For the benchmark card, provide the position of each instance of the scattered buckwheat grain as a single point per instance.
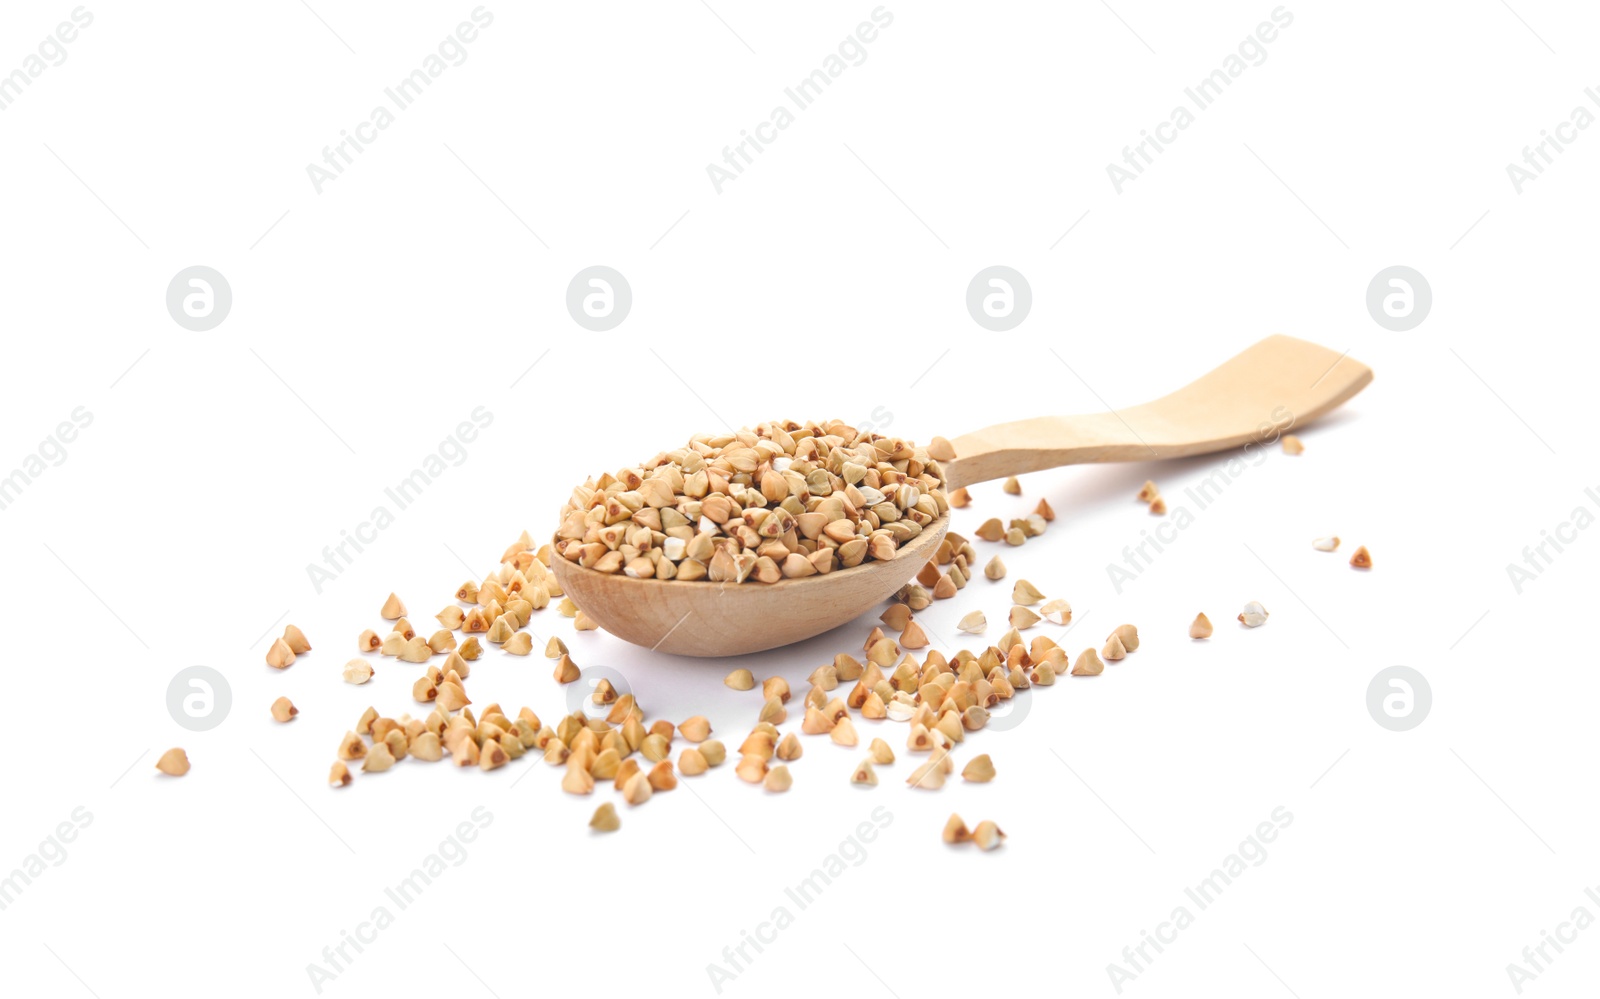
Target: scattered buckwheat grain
(174, 763)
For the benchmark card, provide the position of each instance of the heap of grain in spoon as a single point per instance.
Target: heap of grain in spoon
(784, 500)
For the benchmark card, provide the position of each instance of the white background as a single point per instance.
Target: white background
(370, 319)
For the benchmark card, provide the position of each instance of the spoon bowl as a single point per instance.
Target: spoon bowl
(1250, 400)
(730, 619)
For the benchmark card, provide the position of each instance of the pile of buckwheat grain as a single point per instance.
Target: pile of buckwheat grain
(784, 500)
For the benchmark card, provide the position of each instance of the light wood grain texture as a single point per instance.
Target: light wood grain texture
(729, 619)
(1251, 398)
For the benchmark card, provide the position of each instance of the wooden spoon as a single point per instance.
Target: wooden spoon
(1277, 383)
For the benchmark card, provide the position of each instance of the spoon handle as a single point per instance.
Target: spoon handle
(1254, 397)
